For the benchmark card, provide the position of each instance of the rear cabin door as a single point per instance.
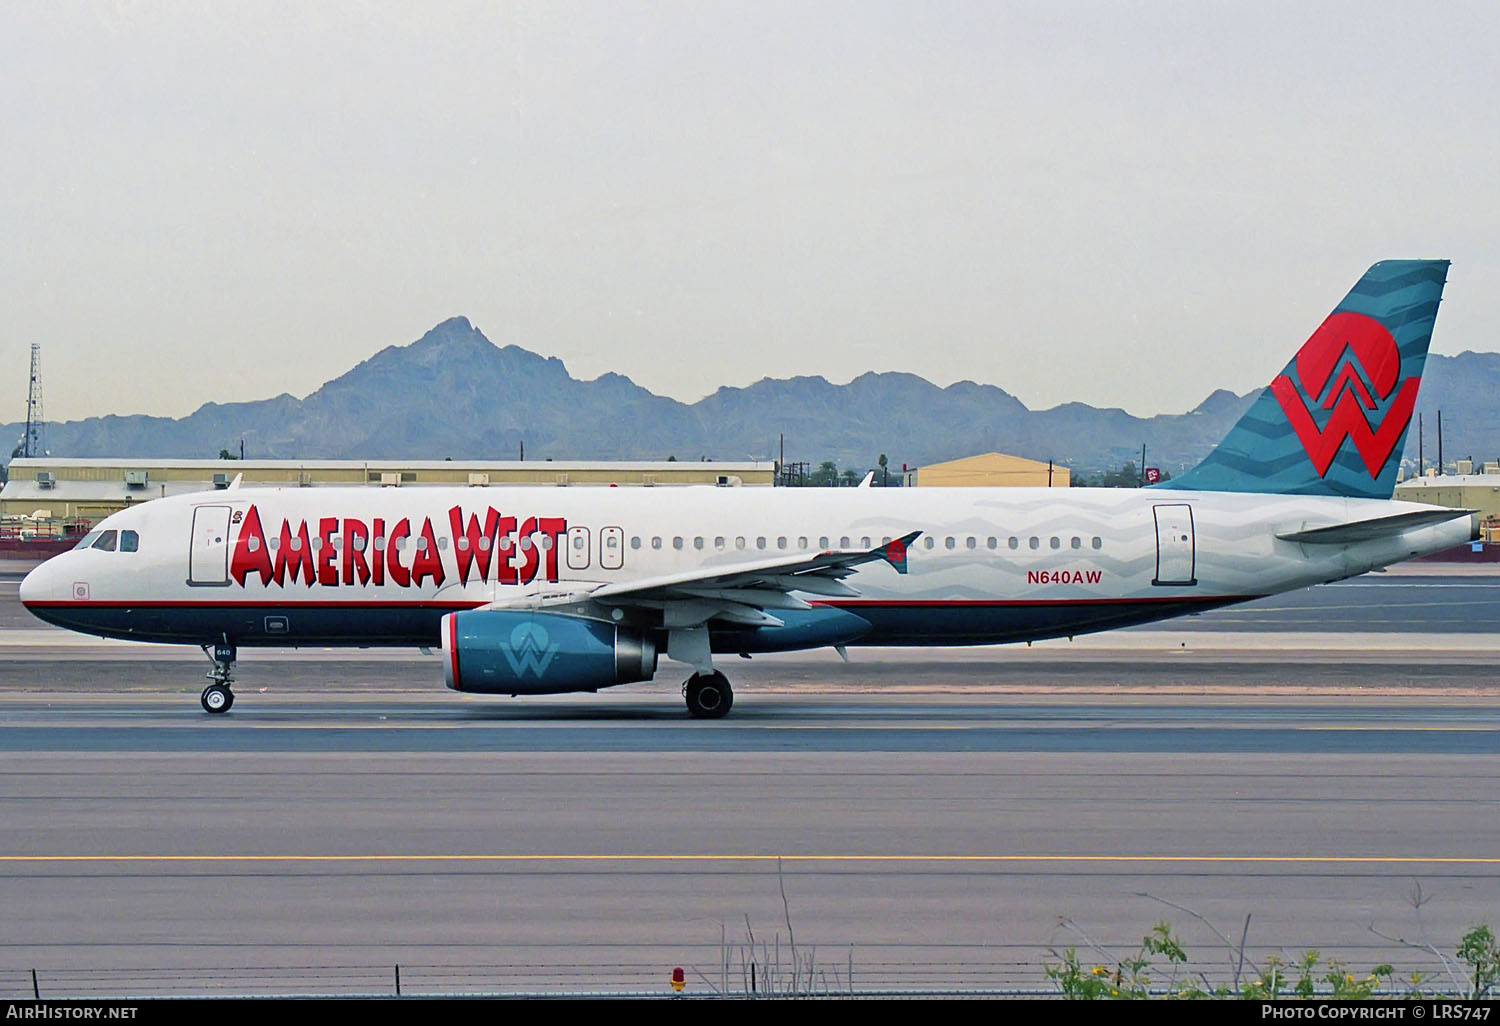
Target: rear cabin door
(208, 559)
(1176, 552)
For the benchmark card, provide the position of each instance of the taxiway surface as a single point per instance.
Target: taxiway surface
(940, 819)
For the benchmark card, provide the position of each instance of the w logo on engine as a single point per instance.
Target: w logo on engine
(530, 650)
(1349, 366)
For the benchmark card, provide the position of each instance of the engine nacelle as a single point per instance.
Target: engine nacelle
(498, 651)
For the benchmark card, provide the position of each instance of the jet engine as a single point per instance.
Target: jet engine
(498, 651)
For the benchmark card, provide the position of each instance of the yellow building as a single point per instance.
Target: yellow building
(92, 489)
(989, 470)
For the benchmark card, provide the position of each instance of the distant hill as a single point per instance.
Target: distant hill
(455, 393)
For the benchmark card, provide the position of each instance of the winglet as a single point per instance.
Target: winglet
(894, 553)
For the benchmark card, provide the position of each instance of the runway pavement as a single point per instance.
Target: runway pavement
(941, 819)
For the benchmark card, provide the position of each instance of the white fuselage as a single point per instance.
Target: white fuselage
(372, 567)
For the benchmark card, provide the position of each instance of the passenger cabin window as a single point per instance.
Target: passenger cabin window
(1056, 542)
(972, 542)
(131, 542)
(864, 543)
(106, 542)
(928, 541)
(1035, 542)
(1098, 543)
(1015, 543)
(949, 543)
(994, 542)
(1078, 543)
(823, 542)
(635, 541)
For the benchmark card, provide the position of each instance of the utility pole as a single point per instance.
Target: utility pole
(1440, 444)
(1421, 448)
(1142, 482)
(31, 443)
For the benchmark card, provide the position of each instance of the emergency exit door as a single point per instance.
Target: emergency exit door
(578, 548)
(1176, 551)
(208, 559)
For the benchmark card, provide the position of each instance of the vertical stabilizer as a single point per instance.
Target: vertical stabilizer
(1334, 421)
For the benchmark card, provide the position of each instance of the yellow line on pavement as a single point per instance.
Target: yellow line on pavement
(1289, 860)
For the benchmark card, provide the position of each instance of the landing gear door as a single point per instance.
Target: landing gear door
(208, 558)
(1176, 551)
(611, 548)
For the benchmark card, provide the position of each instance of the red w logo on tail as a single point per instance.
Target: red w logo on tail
(1372, 350)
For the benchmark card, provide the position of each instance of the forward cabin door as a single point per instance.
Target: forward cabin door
(208, 558)
(1176, 550)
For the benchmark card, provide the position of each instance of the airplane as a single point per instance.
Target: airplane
(531, 591)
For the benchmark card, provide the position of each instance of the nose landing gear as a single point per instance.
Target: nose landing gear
(217, 697)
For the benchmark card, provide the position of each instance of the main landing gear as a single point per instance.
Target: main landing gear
(708, 695)
(217, 697)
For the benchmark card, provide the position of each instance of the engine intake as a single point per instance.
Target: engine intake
(497, 651)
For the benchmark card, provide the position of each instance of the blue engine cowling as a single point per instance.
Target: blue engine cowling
(497, 651)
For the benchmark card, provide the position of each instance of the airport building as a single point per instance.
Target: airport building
(91, 489)
(989, 470)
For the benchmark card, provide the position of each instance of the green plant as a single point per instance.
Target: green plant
(1131, 976)
(1479, 951)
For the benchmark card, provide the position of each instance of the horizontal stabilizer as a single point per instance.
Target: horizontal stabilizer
(1380, 527)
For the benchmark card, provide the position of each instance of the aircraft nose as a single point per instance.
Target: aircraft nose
(38, 585)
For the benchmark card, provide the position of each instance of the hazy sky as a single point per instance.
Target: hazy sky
(1124, 204)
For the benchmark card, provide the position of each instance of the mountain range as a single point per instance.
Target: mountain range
(454, 393)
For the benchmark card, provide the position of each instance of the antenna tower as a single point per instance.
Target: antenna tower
(31, 443)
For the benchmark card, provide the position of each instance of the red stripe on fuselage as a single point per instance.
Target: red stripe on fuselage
(834, 603)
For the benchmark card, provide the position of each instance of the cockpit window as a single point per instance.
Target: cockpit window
(87, 541)
(106, 541)
(129, 541)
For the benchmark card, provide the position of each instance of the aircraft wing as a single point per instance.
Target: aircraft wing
(737, 592)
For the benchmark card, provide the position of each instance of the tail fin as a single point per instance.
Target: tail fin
(1335, 420)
